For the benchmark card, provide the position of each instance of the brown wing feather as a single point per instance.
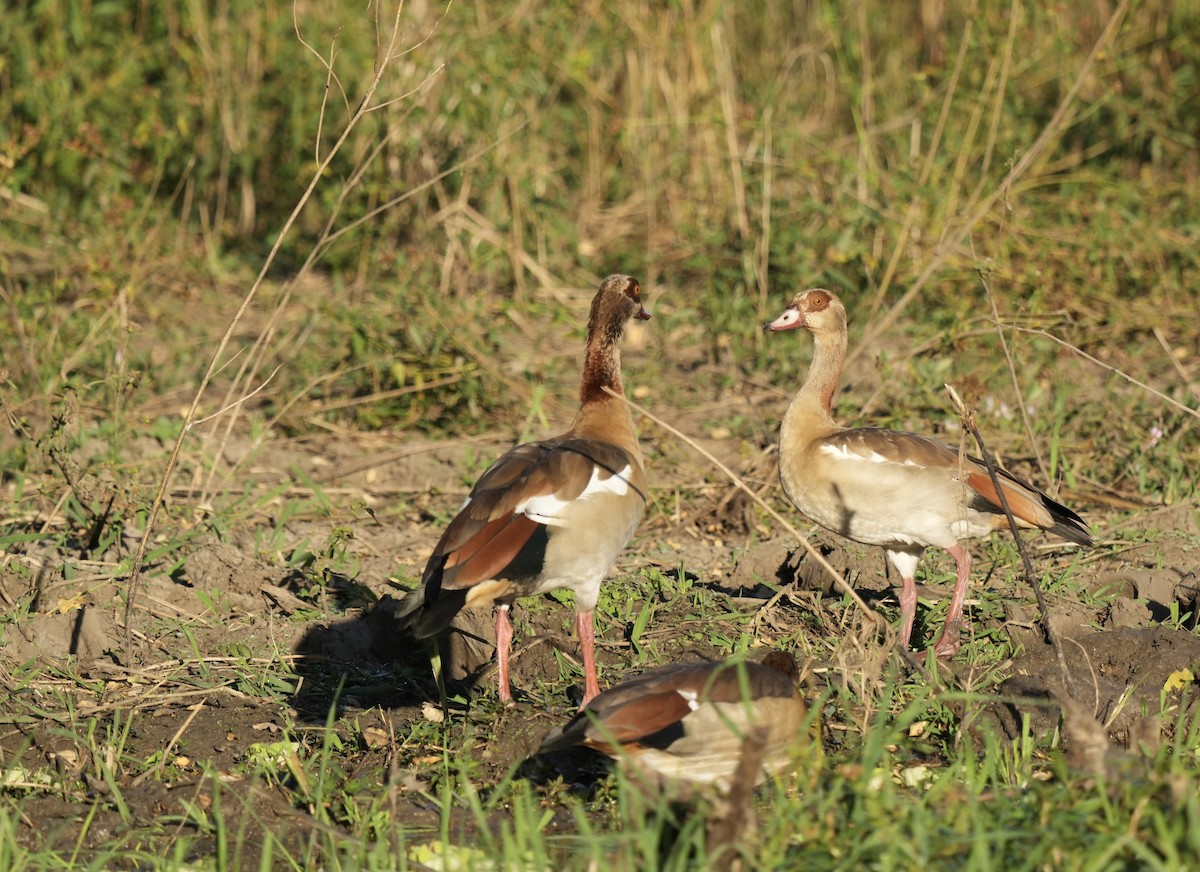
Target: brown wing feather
(637, 718)
(634, 709)
(895, 445)
(737, 682)
(562, 468)
(514, 477)
(642, 707)
(606, 457)
(511, 465)
(488, 516)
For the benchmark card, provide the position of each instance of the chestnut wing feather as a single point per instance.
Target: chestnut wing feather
(632, 710)
(1028, 504)
(662, 698)
(637, 718)
(894, 446)
(490, 531)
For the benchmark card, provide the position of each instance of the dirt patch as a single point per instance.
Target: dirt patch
(320, 609)
(1116, 675)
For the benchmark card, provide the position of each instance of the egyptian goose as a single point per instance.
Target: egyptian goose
(687, 722)
(884, 487)
(548, 515)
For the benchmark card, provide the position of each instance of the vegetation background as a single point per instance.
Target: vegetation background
(280, 280)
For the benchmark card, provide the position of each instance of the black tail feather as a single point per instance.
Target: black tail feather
(1067, 524)
(429, 609)
(569, 735)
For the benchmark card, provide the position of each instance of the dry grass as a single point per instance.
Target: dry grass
(278, 285)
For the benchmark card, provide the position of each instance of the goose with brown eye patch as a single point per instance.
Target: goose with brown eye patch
(897, 490)
(547, 515)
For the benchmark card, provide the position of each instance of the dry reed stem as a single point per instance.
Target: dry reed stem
(1058, 122)
(727, 89)
(763, 264)
(214, 363)
(1015, 21)
(939, 129)
(324, 242)
(256, 359)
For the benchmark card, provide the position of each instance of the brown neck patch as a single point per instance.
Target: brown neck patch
(602, 359)
(601, 369)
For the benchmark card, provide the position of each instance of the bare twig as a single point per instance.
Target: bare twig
(1012, 371)
(1100, 363)
(238, 401)
(967, 416)
(166, 752)
(1166, 346)
(330, 74)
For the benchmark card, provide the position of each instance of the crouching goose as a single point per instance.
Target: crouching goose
(884, 487)
(688, 722)
(548, 515)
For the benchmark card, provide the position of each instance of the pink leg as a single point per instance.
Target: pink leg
(905, 563)
(504, 636)
(908, 610)
(948, 643)
(586, 629)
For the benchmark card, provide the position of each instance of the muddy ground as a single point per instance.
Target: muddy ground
(240, 596)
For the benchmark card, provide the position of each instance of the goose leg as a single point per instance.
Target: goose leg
(904, 561)
(586, 629)
(504, 636)
(948, 643)
(908, 610)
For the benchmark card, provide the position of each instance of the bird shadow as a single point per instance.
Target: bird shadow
(366, 659)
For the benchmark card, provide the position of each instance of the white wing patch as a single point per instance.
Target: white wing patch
(845, 452)
(548, 509)
(691, 697)
(615, 483)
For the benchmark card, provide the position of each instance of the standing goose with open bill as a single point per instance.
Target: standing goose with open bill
(898, 490)
(548, 515)
(688, 722)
